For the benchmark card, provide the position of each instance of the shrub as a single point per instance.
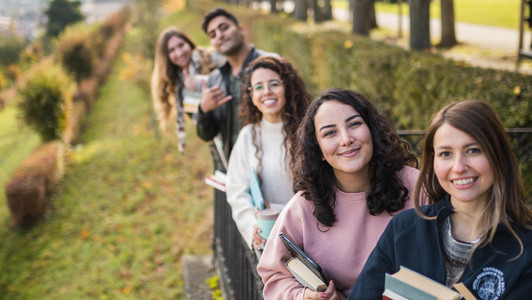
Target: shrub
(28, 192)
(107, 29)
(12, 72)
(10, 48)
(30, 55)
(408, 86)
(75, 51)
(3, 81)
(46, 96)
(114, 23)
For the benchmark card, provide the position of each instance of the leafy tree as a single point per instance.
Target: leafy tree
(62, 13)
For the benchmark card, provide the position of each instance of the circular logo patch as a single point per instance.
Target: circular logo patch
(489, 284)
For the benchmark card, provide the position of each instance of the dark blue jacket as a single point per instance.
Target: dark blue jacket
(413, 242)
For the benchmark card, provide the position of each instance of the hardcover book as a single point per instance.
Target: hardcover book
(307, 272)
(254, 189)
(305, 276)
(411, 285)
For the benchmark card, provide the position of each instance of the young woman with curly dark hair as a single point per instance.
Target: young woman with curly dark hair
(274, 99)
(352, 174)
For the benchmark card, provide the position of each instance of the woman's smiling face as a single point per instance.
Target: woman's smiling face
(344, 139)
(179, 51)
(461, 166)
(267, 94)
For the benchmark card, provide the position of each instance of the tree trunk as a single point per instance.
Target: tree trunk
(419, 24)
(318, 14)
(362, 16)
(448, 35)
(351, 10)
(273, 6)
(300, 11)
(372, 17)
(327, 10)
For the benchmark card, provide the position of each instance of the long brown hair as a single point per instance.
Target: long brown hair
(166, 76)
(506, 203)
(390, 154)
(296, 95)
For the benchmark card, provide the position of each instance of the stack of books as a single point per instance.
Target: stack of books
(217, 180)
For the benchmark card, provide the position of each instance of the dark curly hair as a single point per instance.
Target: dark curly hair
(390, 154)
(296, 95)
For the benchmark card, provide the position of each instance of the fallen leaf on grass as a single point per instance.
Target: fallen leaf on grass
(85, 234)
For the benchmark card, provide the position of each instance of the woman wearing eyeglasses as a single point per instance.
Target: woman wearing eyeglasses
(274, 99)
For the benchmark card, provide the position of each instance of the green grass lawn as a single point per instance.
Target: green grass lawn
(503, 13)
(130, 206)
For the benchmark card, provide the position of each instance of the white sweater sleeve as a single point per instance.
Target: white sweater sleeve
(237, 186)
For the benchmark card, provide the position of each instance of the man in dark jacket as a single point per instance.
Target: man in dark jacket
(221, 94)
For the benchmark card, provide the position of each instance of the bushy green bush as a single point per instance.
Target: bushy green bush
(76, 52)
(46, 96)
(107, 29)
(10, 48)
(30, 55)
(114, 23)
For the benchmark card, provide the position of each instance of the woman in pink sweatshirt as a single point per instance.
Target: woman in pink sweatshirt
(352, 174)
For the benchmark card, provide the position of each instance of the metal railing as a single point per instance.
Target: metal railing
(236, 263)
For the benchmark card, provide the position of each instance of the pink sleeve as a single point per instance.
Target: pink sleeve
(410, 176)
(279, 283)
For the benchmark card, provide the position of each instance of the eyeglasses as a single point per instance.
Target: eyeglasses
(273, 85)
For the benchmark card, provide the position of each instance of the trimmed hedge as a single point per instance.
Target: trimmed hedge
(28, 193)
(76, 51)
(52, 108)
(46, 96)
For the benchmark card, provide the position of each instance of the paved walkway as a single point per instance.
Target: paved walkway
(486, 37)
(502, 42)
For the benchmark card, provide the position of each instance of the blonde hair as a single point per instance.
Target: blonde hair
(166, 76)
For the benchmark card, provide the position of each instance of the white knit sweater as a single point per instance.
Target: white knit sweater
(276, 178)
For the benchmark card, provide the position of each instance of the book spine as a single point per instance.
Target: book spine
(406, 290)
(215, 184)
